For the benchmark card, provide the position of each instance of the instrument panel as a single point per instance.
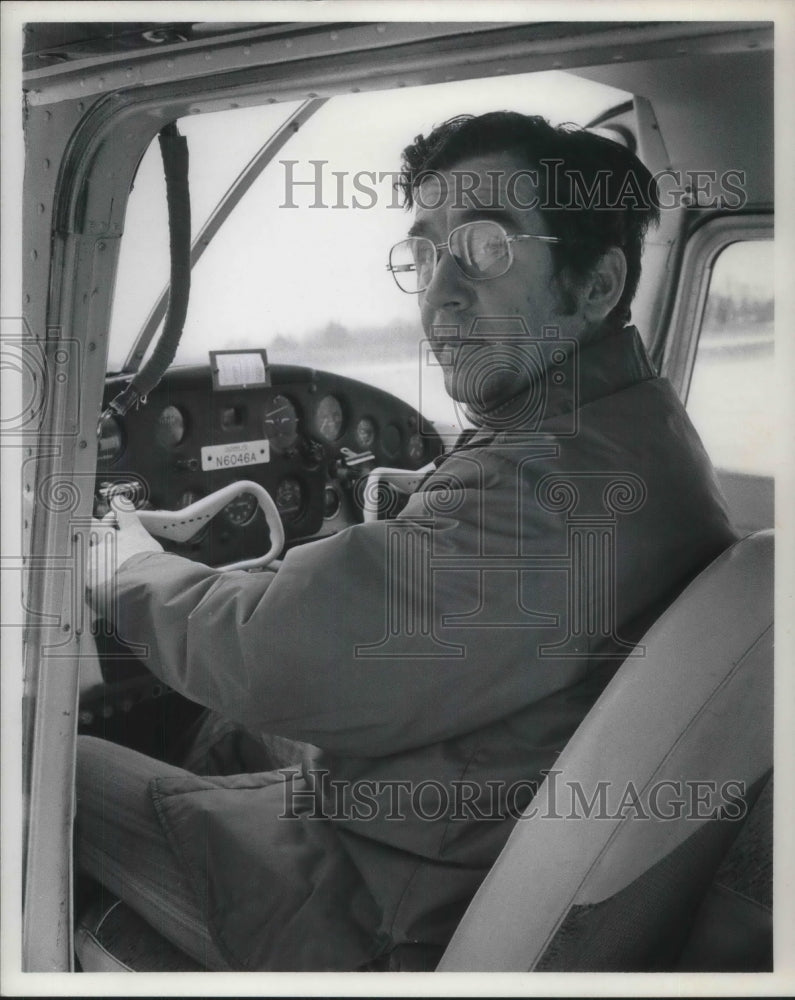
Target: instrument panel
(308, 437)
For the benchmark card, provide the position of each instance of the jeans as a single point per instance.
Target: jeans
(120, 843)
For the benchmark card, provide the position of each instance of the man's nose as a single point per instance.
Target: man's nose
(448, 288)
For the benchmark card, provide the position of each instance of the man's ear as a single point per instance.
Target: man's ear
(604, 286)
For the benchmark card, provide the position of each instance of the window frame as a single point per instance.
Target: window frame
(701, 252)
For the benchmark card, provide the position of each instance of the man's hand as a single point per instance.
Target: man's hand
(114, 540)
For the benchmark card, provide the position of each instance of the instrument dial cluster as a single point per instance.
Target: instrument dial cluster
(306, 437)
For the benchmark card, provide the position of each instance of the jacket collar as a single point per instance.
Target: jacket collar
(614, 361)
(571, 376)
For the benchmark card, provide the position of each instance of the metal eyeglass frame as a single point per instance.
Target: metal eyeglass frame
(509, 238)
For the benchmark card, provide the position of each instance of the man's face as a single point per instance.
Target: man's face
(455, 307)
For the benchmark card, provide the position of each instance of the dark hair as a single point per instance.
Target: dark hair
(593, 193)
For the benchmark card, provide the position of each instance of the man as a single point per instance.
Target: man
(432, 666)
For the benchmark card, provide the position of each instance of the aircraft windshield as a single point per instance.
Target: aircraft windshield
(299, 267)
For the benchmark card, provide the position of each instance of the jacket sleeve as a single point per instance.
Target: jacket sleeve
(350, 646)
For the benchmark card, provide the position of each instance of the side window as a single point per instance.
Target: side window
(731, 398)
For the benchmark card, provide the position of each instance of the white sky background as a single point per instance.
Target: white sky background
(277, 270)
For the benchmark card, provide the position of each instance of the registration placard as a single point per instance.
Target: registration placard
(235, 456)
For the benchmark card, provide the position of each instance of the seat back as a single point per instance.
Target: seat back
(616, 855)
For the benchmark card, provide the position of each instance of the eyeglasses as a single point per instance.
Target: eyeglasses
(481, 250)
